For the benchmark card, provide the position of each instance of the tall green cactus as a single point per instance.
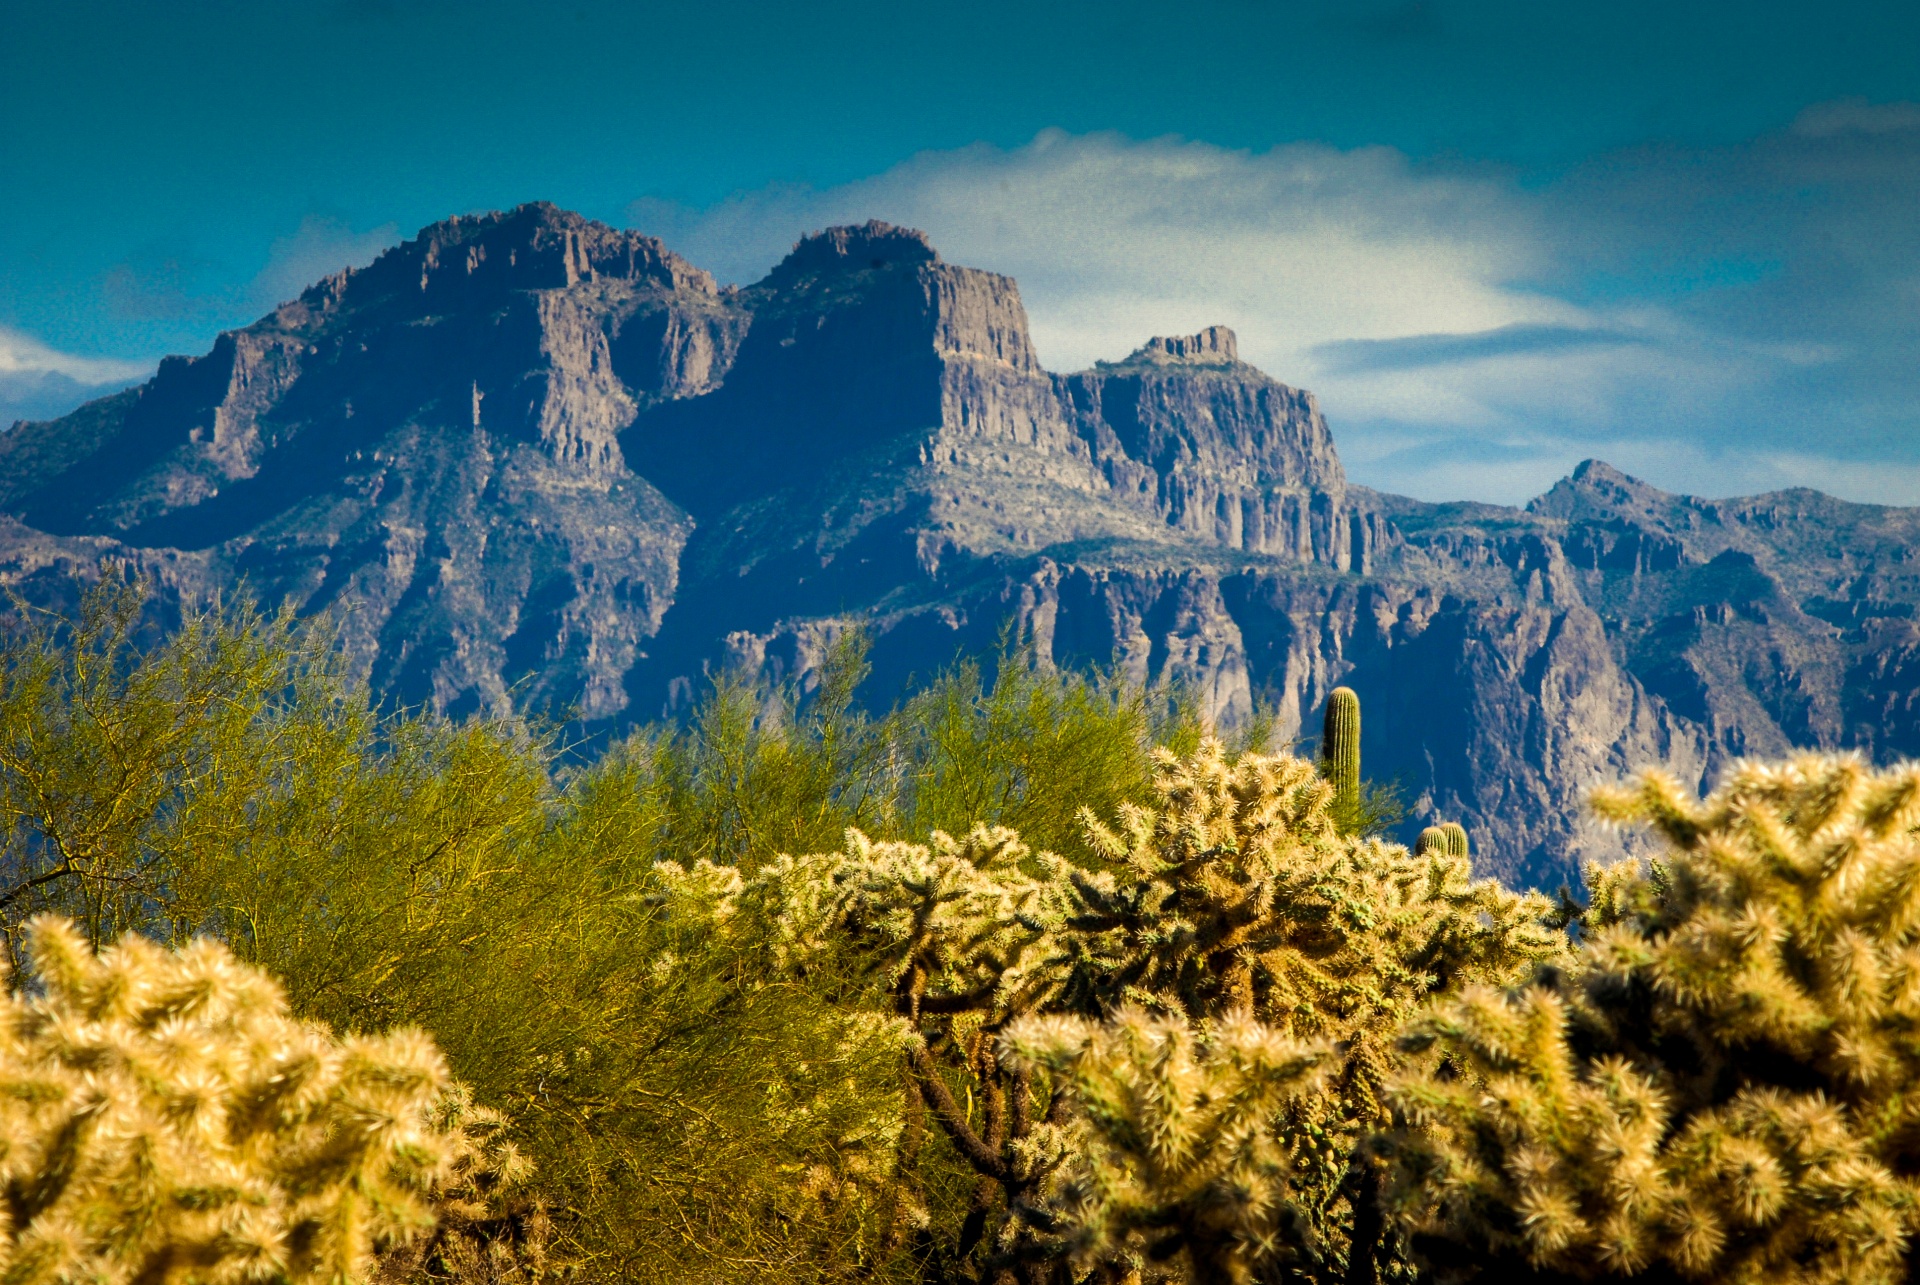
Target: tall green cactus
(1432, 842)
(1340, 749)
(1456, 838)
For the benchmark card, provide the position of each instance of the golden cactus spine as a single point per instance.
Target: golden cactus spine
(1340, 748)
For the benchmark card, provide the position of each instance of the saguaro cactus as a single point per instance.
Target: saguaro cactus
(1340, 749)
(1456, 835)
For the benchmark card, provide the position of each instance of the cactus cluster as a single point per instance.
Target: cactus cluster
(1447, 839)
(1231, 919)
(164, 1118)
(1725, 1085)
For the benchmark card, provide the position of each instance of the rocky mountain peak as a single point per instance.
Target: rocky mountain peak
(1596, 489)
(538, 246)
(1214, 346)
(859, 247)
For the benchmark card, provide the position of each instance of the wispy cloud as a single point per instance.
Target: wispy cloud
(319, 247)
(38, 381)
(174, 284)
(1112, 239)
(1724, 319)
(24, 356)
(1413, 352)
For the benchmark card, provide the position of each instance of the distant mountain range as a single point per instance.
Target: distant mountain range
(540, 459)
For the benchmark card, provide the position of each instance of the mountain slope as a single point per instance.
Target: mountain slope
(537, 459)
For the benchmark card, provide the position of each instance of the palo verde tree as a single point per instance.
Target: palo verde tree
(1724, 1085)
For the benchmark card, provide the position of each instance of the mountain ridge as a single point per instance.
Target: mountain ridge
(547, 460)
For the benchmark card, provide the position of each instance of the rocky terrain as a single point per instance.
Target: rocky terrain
(534, 459)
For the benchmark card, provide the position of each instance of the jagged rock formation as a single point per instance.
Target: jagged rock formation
(536, 459)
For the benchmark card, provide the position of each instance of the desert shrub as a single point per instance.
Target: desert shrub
(1722, 1085)
(757, 772)
(165, 1118)
(109, 740)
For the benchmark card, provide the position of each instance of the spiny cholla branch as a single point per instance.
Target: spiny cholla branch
(1177, 1148)
(1726, 1084)
(164, 1117)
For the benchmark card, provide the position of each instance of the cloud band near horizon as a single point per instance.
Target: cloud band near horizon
(1717, 320)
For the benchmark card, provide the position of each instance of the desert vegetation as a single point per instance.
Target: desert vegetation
(1030, 978)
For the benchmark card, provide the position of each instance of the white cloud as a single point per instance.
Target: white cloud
(1469, 336)
(22, 356)
(38, 381)
(1113, 241)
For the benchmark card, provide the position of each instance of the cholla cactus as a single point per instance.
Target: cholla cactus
(1726, 1085)
(1179, 1154)
(1234, 906)
(489, 1230)
(1238, 897)
(1201, 885)
(1238, 893)
(957, 924)
(963, 935)
(164, 1118)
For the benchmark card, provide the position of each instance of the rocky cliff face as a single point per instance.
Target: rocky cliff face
(536, 459)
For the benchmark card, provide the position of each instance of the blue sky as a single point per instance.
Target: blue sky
(1495, 238)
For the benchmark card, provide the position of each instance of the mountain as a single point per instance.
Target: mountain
(533, 458)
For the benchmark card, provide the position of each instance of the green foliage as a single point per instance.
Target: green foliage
(759, 773)
(696, 1109)
(106, 746)
(1723, 1085)
(163, 1117)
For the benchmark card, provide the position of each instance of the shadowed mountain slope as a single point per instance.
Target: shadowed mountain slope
(537, 459)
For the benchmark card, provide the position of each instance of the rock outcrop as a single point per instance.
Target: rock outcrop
(535, 459)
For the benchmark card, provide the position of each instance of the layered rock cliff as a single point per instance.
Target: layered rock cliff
(535, 459)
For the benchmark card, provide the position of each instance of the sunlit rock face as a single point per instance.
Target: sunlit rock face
(533, 460)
